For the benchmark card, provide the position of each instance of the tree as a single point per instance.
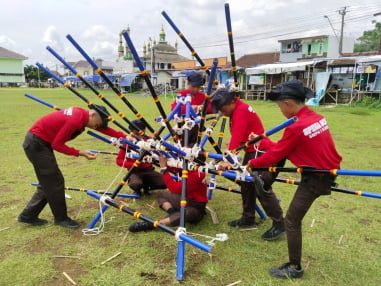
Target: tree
(31, 73)
(370, 40)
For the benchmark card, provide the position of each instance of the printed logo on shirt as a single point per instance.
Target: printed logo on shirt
(68, 111)
(316, 128)
(251, 109)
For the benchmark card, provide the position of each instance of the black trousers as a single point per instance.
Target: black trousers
(52, 183)
(310, 188)
(194, 211)
(268, 200)
(147, 179)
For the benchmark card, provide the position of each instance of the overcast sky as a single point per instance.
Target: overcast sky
(28, 26)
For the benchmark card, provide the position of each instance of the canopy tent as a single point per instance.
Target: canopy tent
(279, 68)
(127, 79)
(71, 78)
(97, 79)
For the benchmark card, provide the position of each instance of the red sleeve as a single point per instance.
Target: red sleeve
(238, 132)
(111, 132)
(64, 135)
(172, 185)
(209, 110)
(266, 144)
(173, 104)
(193, 182)
(120, 159)
(278, 152)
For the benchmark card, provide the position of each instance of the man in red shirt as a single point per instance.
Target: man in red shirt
(170, 201)
(195, 81)
(306, 143)
(144, 177)
(243, 122)
(49, 133)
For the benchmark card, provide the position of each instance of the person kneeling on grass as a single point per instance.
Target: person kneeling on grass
(170, 201)
(307, 142)
(49, 133)
(144, 176)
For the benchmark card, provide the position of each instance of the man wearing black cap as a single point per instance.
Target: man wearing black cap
(144, 176)
(195, 81)
(306, 143)
(243, 122)
(49, 133)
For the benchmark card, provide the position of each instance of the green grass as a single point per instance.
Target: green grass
(149, 258)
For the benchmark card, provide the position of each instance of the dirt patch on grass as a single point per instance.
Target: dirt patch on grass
(71, 266)
(5, 189)
(38, 245)
(365, 221)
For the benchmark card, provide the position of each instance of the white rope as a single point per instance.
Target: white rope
(218, 237)
(102, 202)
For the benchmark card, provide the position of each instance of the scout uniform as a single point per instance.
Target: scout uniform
(49, 133)
(144, 176)
(244, 121)
(308, 142)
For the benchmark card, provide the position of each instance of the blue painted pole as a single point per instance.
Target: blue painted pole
(42, 101)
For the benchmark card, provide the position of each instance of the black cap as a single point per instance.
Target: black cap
(293, 89)
(103, 113)
(222, 97)
(137, 125)
(196, 79)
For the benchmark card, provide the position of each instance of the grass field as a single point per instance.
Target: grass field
(342, 248)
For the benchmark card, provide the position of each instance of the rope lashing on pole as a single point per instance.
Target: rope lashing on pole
(137, 215)
(291, 181)
(95, 91)
(109, 82)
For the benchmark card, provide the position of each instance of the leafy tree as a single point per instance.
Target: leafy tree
(370, 40)
(31, 73)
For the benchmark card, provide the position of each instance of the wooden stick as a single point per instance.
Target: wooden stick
(313, 223)
(69, 278)
(111, 258)
(246, 229)
(5, 228)
(341, 238)
(213, 215)
(235, 283)
(66, 256)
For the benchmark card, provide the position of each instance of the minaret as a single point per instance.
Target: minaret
(144, 50)
(120, 47)
(127, 51)
(162, 35)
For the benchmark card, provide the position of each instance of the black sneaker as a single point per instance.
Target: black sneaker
(140, 226)
(31, 220)
(275, 232)
(287, 270)
(243, 223)
(67, 223)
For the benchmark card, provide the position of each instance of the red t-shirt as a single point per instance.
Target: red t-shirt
(196, 189)
(61, 126)
(197, 99)
(307, 142)
(64, 125)
(244, 121)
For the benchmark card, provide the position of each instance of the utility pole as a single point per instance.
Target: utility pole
(342, 12)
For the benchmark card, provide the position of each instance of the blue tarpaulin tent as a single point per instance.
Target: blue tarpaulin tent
(71, 78)
(127, 79)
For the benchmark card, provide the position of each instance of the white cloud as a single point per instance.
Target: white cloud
(7, 42)
(53, 38)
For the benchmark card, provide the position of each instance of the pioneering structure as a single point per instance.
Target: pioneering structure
(180, 155)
